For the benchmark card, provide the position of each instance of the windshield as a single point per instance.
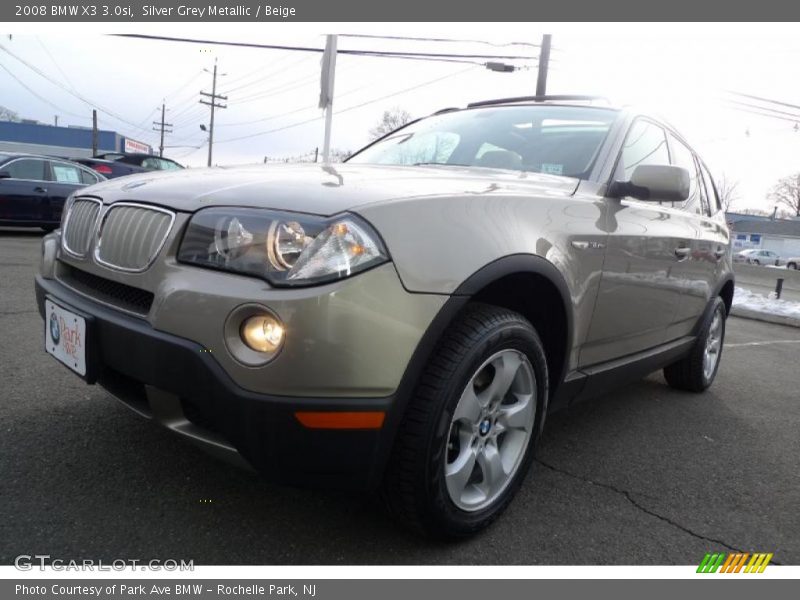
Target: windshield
(558, 140)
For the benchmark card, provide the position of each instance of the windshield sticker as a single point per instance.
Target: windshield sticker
(552, 169)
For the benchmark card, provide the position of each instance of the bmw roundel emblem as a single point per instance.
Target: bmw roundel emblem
(484, 427)
(55, 328)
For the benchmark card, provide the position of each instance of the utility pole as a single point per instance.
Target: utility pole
(161, 126)
(56, 116)
(544, 61)
(94, 132)
(213, 104)
(327, 78)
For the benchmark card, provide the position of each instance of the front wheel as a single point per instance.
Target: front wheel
(792, 265)
(468, 435)
(696, 371)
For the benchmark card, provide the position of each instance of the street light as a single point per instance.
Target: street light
(500, 67)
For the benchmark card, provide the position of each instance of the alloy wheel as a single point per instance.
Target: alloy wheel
(490, 430)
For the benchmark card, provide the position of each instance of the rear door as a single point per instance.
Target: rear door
(695, 273)
(23, 195)
(639, 295)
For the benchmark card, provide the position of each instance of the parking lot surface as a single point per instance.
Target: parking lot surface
(645, 475)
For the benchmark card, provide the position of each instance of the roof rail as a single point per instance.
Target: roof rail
(546, 98)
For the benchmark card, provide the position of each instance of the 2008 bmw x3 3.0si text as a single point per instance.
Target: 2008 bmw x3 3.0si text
(404, 321)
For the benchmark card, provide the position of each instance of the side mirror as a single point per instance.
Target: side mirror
(655, 183)
(5, 175)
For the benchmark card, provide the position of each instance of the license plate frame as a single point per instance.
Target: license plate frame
(67, 337)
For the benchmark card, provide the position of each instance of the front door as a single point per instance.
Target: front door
(639, 295)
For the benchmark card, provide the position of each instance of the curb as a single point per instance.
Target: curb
(747, 313)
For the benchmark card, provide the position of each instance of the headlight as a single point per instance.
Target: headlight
(283, 248)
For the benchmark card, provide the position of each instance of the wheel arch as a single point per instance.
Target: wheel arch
(488, 284)
(725, 291)
(535, 288)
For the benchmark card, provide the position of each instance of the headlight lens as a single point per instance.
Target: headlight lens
(283, 248)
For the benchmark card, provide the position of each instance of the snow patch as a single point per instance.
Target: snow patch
(744, 298)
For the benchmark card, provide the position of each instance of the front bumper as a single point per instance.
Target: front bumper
(180, 384)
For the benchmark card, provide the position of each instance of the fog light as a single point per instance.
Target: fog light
(262, 333)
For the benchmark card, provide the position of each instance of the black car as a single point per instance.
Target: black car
(33, 188)
(118, 164)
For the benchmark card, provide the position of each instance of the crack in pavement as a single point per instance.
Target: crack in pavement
(644, 509)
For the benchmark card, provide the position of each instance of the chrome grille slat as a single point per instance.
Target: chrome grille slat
(131, 235)
(79, 225)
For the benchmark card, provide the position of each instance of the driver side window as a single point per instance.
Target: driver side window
(645, 144)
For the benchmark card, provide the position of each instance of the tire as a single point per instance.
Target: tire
(692, 373)
(756, 263)
(792, 265)
(422, 485)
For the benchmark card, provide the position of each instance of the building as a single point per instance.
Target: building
(779, 235)
(70, 142)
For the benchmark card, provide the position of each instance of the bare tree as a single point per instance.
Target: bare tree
(728, 192)
(391, 120)
(6, 114)
(787, 193)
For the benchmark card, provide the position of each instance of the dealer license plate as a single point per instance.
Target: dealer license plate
(65, 336)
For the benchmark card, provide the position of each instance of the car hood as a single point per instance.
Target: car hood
(320, 189)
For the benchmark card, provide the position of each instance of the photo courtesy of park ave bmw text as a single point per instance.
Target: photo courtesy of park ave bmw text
(337, 300)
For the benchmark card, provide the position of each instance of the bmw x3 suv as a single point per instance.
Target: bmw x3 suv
(402, 322)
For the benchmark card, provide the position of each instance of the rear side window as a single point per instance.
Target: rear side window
(88, 177)
(683, 157)
(645, 144)
(711, 189)
(26, 168)
(64, 173)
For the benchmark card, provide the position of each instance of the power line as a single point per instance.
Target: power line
(45, 100)
(53, 60)
(291, 112)
(384, 53)
(767, 115)
(765, 108)
(765, 100)
(80, 97)
(264, 76)
(349, 108)
(427, 39)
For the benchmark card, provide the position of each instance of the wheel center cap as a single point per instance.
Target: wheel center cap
(485, 427)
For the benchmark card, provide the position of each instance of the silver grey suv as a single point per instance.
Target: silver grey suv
(404, 321)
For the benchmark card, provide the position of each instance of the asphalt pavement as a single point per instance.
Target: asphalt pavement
(645, 475)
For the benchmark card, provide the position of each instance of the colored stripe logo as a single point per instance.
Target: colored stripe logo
(734, 562)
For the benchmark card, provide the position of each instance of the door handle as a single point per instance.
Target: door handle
(682, 252)
(41, 190)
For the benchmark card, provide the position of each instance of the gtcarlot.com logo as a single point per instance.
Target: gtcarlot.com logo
(28, 562)
(734, 562)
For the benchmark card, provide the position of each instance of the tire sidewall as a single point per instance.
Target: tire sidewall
(452, 520)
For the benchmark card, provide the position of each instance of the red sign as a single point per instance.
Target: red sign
(134, 146)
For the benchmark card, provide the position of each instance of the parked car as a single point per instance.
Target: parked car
(117, 164)
(33, 188)
(758, 256)
(793, 263)
(406, 320)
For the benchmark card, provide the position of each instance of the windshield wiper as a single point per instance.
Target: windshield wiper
(438, 164)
